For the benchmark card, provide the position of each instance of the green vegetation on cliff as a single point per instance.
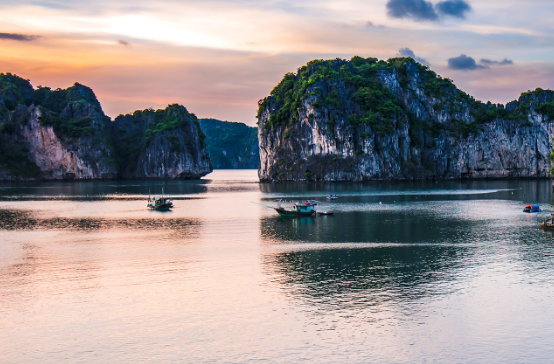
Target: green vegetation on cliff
(231, 145)
(173, 117)
(96, 147)
(13, 158)
(367, 118)
(14, 91)
(372, 103)
(174, 125)
(64, 109)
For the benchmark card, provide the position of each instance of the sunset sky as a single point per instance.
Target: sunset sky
(218, 58)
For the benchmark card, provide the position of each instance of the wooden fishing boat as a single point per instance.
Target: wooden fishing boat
(159, 203)
(298, 209)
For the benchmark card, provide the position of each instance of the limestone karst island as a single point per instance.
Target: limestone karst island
(63, 134)
(333, 120)
(277, 181)
(369, 119)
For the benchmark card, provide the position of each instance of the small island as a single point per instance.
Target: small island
(368, 119)
(57, 134)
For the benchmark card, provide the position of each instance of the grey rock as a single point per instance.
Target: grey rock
(176, 152)
(315, 148)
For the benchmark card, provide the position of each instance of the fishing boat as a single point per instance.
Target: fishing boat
(298, 209)
(332, 197)
(159, 203)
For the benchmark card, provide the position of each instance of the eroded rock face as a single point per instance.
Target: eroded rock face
(325, 145)
(161, 144)
(66, 158)
(50, 134)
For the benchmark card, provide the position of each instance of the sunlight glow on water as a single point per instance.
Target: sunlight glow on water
(403, 272)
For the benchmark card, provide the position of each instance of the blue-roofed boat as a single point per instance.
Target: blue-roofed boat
(159, 203)
(532, 208)
(298, 209)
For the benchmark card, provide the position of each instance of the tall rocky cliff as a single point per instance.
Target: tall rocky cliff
(231, 145)
(365, 119)
(52, 134)
(161, 144)
(64, 134)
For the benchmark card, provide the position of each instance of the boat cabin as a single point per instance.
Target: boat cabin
(160, 203)
(307, 207)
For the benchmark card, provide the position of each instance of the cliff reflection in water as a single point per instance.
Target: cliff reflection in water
(528, 191)
(99, 189)
(26, 220)
(412, 251)
(360, 278)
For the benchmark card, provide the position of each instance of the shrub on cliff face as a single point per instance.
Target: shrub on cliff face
(16, 91)
(69, 128)
(379, 106)
(173, 117)
(57, 100)
(547, 109)
(366, 100)
(133, 134)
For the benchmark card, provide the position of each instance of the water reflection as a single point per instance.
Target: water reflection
(427, 222)
(374, 259)
(362, 278)
(423, 276)
(528, 191)
(27, 220)
(100, 188)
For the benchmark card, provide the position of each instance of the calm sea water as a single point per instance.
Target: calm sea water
(447, 272)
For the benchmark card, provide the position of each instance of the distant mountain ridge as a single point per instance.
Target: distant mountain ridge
(231, 145)
(64, 134)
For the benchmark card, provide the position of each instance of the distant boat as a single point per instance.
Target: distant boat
(332, 197)
(325, 213)
(298, 209)
(532, 208)
(159, 203)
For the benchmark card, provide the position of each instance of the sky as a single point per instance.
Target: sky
(218, 58)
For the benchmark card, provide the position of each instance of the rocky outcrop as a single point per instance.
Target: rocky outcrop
(396, 120)
(161, 144)
(64, 134)
(87, 157)
(231, 145)
(60, 134)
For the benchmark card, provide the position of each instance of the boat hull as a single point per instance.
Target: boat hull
(163, 207)
(291, 213)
